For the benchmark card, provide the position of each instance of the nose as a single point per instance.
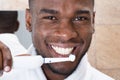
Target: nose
(66, 31)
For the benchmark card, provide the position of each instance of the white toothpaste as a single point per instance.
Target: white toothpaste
(32, 62)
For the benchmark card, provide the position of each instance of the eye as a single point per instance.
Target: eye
(80, 18)
(50, 17)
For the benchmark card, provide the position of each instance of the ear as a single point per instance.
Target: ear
(28, 20)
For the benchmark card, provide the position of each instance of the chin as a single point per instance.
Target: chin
(62, 68)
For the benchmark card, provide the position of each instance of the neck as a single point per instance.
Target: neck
(50, 75)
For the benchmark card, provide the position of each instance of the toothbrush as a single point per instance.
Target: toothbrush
(31, 62)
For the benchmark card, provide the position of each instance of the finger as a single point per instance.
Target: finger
(1, 64)
(1, 61)
(7, 57)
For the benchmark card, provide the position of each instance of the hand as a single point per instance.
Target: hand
(5, 59)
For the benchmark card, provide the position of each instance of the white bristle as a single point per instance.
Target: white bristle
(72, 57)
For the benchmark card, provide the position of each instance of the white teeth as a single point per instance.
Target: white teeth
(63, 51)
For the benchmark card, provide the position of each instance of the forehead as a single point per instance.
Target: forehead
(63, 4)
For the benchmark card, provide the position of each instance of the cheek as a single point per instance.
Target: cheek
(86, 36)
(87, 42)
(39, 31)
(38, 37)
(87, 31)
(87, 39)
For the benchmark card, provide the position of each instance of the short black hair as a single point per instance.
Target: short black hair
(30, 2)
(8, 20)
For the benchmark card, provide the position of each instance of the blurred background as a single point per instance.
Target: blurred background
(23, 35)
(104, 53)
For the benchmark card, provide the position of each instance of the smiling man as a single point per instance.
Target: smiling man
(60, 28)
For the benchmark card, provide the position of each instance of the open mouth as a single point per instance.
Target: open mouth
(63, 50)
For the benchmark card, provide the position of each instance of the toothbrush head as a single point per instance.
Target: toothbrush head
(72, 57)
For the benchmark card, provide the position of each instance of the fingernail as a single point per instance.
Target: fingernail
(7, 68)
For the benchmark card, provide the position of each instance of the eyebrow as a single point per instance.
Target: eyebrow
(82, 12)
(50, 11)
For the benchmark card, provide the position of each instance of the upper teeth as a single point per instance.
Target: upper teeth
(63, 51)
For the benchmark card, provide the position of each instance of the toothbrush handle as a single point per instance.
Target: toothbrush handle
(27, 62)
(54, 60)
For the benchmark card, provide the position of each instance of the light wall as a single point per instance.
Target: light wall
(104, 53)
(13, 4)
(23, 34)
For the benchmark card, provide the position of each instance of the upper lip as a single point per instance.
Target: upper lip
(64, 45)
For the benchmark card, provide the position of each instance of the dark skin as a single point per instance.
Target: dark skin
(6, 58)
(64, 24)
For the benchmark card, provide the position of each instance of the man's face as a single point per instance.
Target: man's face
(60, 28)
